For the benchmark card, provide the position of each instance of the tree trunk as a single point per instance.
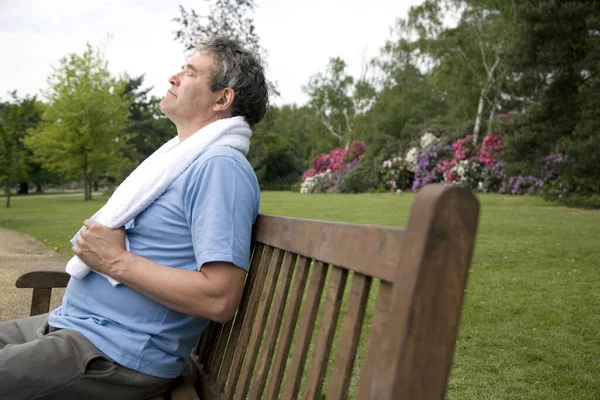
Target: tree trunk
(95, 185)
(7, 192)
(86, 180)
(491, 118)
(479, 116)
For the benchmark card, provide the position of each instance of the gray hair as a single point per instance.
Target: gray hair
(241, 70)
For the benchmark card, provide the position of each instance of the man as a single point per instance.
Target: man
(189, 253)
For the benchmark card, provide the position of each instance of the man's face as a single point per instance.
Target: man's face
(189, 98)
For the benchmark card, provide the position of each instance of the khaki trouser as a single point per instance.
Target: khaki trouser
(40, 362)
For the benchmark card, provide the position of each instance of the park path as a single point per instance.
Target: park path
(20, 253)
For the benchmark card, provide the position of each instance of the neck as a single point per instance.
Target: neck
(187, 129)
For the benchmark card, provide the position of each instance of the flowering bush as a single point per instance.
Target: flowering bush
(522, 184)
(336, 159)
(492, 178)
(318, 183)
(461, 162)
(426, 170)
(490, 147)
(551, 166)
(428, 139)
(328, 170)
(396, 175)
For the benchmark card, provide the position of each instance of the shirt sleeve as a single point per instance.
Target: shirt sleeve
(221, 205)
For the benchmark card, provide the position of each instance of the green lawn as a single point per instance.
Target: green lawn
(531, 322)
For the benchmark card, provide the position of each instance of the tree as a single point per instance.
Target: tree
(557, 55)
(225, 17)
(337, 100)
(407, 101)
(148, 128)
(232, 18)
(469, 57)
(82, 129)
(16, 117)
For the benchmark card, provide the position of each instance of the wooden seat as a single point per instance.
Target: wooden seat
(316, 290)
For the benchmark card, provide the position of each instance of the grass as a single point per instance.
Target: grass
(531, 318)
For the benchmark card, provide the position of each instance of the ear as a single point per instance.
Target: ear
(224, 100)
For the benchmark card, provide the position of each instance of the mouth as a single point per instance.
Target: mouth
(168, 91)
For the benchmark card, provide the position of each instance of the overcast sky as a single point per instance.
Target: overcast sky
(299, 36)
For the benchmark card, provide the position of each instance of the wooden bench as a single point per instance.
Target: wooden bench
(315, 289)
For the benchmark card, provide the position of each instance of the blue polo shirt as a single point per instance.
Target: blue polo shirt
(205, 215)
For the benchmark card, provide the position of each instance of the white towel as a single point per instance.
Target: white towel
(153, 176)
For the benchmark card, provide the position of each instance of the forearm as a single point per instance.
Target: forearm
(189, 292)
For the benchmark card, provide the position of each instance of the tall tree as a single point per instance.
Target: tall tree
(148, 128)
(225, 17)
(407, 101)
(469, 59)
(231, 18)
(16, 117)
(337, 99)
(82, 128)
(557, 55)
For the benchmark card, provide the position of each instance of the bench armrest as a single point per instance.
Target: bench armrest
(42, 283)
(43, 279)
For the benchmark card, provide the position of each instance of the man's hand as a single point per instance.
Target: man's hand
(99, 246)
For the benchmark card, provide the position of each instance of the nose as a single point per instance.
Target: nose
(174, 80)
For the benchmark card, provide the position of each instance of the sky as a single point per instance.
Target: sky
(299, 36)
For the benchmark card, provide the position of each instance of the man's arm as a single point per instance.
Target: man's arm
(213, 293)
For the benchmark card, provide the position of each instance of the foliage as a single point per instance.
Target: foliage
(231, 18)
(225, 17)
(559, 66)
(337, 99)
(83, 126)
(147, 127)
(16, 117)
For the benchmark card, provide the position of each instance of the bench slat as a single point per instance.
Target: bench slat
(207, 340)
(275, 316)
(354, 247)
(307, 324)
(381, 313)
(238, 321)
(246, 318)
(320, 357)
(351, 329)
(212, 352)
(259, 322)
(218, 357)
(226, 339)
(287, 331)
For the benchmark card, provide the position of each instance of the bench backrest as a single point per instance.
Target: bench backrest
(317, 291)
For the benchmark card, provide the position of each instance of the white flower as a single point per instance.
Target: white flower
(308, 185)
(461, 168)
(428, 139)
(411, 159)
